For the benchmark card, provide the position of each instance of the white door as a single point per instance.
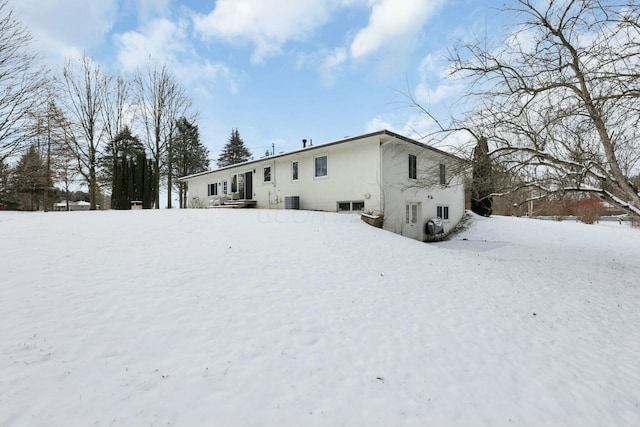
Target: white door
(412, 227)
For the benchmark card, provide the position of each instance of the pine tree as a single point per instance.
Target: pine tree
(482, 186)
(118, 164)
(234, 151)
(6, 198)
(30, 179)
(189, 156)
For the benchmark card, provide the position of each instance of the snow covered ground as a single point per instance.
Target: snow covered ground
(283, 318)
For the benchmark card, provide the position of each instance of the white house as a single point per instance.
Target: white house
(382, 173)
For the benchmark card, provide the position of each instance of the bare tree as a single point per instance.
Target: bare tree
(117, 111)
(52, 137)
(161, 101)
(22, 84)
(85, 90)
(118, 114)
(559, 100)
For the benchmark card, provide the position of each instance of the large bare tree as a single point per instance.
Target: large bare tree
(23, 84)
(559, 98)
(117, 111)
(86, 87)
(52, 138)
(161, 101)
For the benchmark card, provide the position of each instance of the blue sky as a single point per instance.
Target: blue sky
(277, 70)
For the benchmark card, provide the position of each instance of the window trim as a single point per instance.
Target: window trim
(315, 166)
(264, 174)
(350, 203)
(413, 168)
(443, 209)
(212, 189)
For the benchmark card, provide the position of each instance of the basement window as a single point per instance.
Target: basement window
(350, 206)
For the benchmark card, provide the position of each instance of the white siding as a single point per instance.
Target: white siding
(353, 174)
(373, 169)
(399, 190)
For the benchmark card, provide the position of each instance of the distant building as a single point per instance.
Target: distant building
(73, 206)
(383, 174)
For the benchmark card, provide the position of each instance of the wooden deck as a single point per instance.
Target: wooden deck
(237, 204)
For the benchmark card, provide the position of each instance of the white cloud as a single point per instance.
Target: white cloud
(435, 85)
(393, 23)
(65, 27)
(379, 123)
(332, 65)
(167, 42)
(267, 24)
(160, 39)
(151, 9)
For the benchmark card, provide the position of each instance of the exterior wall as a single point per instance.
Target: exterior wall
(425, 192)
(353, 174)
(372, 169)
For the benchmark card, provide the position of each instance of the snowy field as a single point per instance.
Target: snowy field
(294, 318)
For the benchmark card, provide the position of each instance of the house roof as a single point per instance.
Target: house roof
(382, 133)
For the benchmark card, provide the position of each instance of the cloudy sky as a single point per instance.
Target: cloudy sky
(277, 70)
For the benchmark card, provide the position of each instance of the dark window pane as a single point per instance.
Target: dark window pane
(321, 166)
(413, 171)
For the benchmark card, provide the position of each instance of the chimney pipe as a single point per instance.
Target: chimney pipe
(304, 143)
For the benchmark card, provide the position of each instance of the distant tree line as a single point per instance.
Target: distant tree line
(117, 134)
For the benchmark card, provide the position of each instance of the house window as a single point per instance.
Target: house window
(321, 166)
(357, 206)
(344, 206)
(443, 212)
(267, 174)
(354, 205)
(224, 187)
(294, 170)
(413, 170)
(443, 175)
(212, 189)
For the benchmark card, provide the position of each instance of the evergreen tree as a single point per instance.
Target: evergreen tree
(189, 156)
(482, 186)
(125, 161)
(234, 151)
(124, 144)
(133, 179)
(6, 198)
(30, 179)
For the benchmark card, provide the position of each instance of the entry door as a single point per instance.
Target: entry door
(412, 227)
(241, 186)
(248, 185)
